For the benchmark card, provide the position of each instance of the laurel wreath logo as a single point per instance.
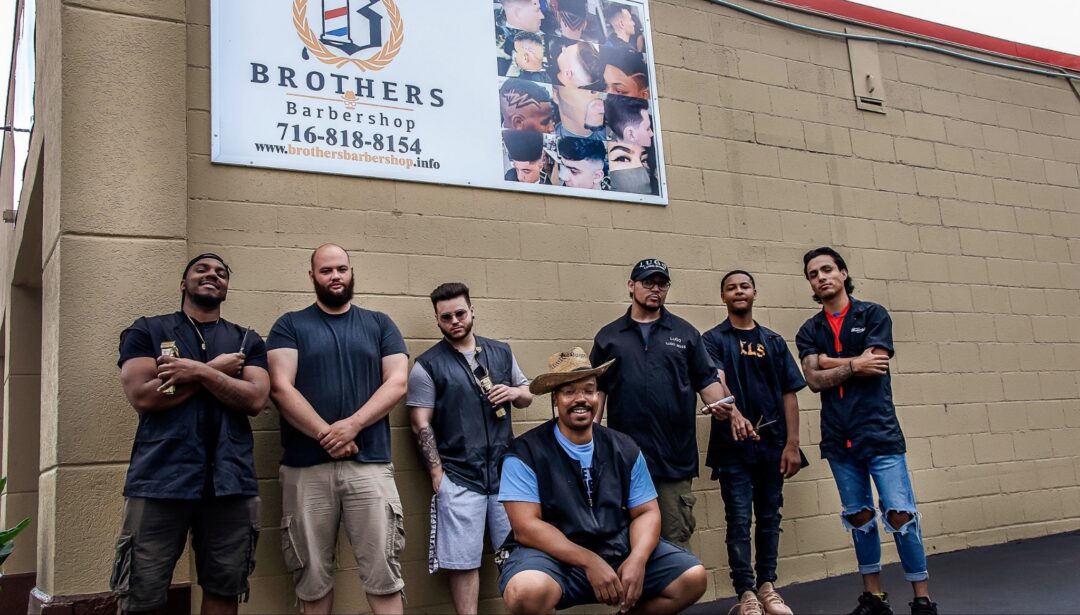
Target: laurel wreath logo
(376, 62)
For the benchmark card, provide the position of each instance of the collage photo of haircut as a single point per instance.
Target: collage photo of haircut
(574, 95)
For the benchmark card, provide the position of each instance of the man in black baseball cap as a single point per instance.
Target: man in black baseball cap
(652, 391)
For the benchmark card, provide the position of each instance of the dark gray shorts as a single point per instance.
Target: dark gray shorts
(224, 532)
(666, 563)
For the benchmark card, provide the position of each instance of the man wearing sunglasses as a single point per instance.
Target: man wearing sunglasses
(651, 392)
(461, 392)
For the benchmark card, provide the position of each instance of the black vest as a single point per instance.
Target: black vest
(169, 457)
(603, 527)
(471, 439)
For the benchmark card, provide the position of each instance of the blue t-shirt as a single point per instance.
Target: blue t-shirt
(519, 481)
(339, 369)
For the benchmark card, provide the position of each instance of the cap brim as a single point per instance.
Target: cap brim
(545, 383)
(648, 272)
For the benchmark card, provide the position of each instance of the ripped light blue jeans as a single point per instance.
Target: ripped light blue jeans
(896, 495)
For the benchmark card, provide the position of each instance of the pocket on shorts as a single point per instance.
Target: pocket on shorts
(395, 530)
(249, 562)
(289, 545)
(120, 582)
(686, 512)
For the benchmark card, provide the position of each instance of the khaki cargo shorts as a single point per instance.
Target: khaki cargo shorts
(317, 500)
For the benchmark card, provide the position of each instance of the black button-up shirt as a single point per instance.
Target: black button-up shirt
(652, 389)
(858, 418)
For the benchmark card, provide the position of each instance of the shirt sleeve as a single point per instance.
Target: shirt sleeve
(517, 376)
(597, 356)
(518, 483)
(702, 369)
(713, 347)
(282, 334)
(642, 489)
(391, 341)
(421, 388)
(791, 379)
(135, 341)
(804, 340)
(255, 350)
(879, 329)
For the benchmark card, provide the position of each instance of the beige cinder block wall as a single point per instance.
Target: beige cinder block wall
(959, 210)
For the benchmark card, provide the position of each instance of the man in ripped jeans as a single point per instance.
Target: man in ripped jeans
(194, 379)
(845, 351)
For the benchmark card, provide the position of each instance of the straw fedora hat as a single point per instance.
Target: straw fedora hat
(566, 367)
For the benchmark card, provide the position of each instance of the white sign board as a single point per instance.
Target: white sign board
(549, 96)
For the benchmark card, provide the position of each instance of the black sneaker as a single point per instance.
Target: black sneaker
(923, 606)
(869, 604)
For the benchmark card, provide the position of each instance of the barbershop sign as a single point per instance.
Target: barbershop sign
(549, 96)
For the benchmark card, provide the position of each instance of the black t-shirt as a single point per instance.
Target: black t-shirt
(339, 369)
(759, 370)
(752, 367)
(137, 343)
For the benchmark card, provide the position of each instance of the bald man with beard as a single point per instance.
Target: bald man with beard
(336, 371)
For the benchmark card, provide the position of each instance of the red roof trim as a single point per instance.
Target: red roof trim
(921, 27)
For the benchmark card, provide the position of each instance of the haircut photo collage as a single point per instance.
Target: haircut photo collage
(574, 95)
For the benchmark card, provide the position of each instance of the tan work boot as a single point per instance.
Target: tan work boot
(748, 605)
(771, 600)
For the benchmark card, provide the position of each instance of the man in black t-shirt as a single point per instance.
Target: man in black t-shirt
(336, 372)
(757, 367)
(191, 463)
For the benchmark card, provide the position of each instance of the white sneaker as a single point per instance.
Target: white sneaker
(748, 605)
(771, 601)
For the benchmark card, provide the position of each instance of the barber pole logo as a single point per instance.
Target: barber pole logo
(348, 28)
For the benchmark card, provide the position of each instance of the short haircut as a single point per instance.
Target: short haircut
(612, 10)
(524, 36)
(572, 148)
(727, 275)
(448, 291)
(849, 283)
(625, 59)
(622, 112)
(523, 145)
(579, 8)
(590, 57)
(517, 93)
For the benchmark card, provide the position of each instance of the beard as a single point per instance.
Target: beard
(645, 306)
(334, 299)
(464, 334)
(204, 301)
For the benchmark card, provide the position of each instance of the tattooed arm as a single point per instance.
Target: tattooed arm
(425, 439)
(824, 372)
(820, 379)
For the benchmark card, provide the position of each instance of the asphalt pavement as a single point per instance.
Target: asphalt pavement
(1040, 576)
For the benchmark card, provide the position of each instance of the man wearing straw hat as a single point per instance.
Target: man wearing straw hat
(583, 512)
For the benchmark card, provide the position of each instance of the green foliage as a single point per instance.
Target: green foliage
(7, 537)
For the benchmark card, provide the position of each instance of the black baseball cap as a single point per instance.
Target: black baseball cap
(647, 267)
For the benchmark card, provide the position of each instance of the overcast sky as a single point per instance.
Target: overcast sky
(1044, 23)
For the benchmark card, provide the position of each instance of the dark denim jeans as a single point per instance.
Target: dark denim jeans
(759, 485)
